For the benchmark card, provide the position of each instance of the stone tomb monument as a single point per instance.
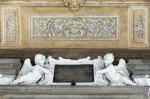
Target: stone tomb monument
(93, 27)
(52, 79)
(86, 71)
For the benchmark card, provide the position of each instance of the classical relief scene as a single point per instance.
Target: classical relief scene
(74, 49)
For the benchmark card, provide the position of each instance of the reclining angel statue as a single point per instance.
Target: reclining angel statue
(116, 75)
(31, 75)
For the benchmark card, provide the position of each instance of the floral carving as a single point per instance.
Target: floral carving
(74, 28)
(10, 28)
(10, 24)
(139, 27)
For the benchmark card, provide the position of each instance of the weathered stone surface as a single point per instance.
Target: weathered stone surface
(139, 67)
(9, 66)
(73, 97)
(67, 92)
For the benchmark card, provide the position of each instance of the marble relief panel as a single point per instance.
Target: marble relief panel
(10, 25)
(138, 26)
(96, 27)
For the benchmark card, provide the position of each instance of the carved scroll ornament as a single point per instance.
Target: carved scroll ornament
(74, 28)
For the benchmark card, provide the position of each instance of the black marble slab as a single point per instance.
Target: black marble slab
(74, 73)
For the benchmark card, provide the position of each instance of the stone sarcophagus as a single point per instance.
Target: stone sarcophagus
(75, 29)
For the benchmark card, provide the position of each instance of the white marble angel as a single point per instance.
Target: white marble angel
(6, 80)
(31, 75)
(142, 81)
(100, 79)
(117, 75)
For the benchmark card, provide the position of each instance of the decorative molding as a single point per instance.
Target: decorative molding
(98, 27)
(74, 4)
(88, 3)
(138, 26)
(10, 24)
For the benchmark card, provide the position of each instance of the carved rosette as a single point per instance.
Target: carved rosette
(138, 26)
(10, 25)
(74, 28)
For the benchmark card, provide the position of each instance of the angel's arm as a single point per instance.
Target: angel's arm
(103, 71)
(46, 76)
(45, 70)
(45, 79)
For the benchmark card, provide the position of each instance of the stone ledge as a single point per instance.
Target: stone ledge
(78, 90)
(68, 92)
(73, 97)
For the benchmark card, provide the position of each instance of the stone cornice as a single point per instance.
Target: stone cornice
(88, 3)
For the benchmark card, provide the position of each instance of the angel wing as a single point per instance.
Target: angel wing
(121, 68)
(27, 67)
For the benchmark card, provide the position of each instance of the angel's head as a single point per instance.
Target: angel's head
(108, 59)
(40, 59)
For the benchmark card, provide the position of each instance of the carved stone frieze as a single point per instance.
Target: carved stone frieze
(138, 26)
(10, 25)
(75, 27)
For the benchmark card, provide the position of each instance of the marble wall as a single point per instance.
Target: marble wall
(59, 24)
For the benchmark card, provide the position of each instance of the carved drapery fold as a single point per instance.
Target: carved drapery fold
(75, 27)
